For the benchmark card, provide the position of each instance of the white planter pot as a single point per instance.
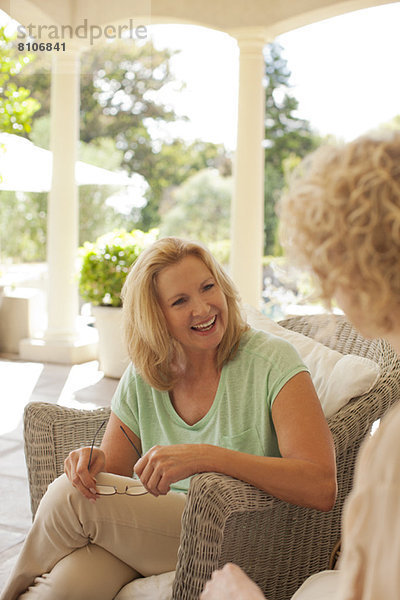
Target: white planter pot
(113, 355)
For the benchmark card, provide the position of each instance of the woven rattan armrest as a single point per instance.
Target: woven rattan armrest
(229, 520)
(276, 543)
(50, 433)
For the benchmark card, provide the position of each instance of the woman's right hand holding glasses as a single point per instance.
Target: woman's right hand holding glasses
(81, 467)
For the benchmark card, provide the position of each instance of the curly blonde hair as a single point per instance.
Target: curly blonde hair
(341, 218)
(151, 348)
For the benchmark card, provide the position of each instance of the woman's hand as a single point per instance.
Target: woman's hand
(163, 465)
(76, 469)
(231, 582)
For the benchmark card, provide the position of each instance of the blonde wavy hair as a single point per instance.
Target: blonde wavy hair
(151, 348)
(341, 218)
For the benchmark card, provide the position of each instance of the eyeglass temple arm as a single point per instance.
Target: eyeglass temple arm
(96, 434)
(94, 439)
(130, 441)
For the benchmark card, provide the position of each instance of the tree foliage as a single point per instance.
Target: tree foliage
(384, 128)
(120, 82)
(201, 208)
(22, 218)
(286, 135)
(23, 225)
(171, 167)
(16, 105)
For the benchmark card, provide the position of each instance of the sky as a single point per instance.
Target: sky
(345, 74)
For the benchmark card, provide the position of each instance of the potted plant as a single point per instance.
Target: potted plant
(104, 267)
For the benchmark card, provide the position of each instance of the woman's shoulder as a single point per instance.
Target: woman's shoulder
(264, 356)
(263, 346)
(129, 374)
(131, 377)
(258, 341)
(132, 389)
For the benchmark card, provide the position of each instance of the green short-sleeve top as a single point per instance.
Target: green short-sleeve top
(240, 416)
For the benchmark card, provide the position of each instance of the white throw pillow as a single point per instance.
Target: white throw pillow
(337, 377)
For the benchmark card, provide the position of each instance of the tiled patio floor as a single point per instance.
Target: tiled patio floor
(21, 382)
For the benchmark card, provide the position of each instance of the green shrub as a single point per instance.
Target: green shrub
(105, 264)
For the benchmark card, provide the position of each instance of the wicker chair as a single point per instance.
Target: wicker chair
(279, 545)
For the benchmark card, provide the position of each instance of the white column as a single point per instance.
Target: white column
(63, 207)
(248, 197)
(63, 342)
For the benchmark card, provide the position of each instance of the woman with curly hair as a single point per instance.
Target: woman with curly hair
(341, 219)
(204, 392)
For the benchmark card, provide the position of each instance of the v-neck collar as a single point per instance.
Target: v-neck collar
(208, 416)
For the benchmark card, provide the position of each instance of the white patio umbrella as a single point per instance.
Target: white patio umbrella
(25, 167)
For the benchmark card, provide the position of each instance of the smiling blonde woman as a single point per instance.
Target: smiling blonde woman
(204, 392)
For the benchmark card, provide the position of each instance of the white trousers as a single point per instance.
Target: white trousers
(79, 550)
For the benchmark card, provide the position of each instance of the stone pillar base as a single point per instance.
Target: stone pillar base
(20, 317)
(82, 349)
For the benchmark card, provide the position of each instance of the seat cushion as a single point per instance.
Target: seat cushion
(156, 587)
(321, 586)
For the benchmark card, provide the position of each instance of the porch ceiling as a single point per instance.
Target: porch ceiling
(272, 16)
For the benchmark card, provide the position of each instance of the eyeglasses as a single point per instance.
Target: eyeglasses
(134, 489)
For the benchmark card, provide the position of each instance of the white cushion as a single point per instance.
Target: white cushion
(320, 586)
(159, 587)
(156, 587)
(337, 378)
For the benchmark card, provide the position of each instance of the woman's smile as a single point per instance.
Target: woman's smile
(205, 327)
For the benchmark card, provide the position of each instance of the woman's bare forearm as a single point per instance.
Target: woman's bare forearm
(294, 480)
